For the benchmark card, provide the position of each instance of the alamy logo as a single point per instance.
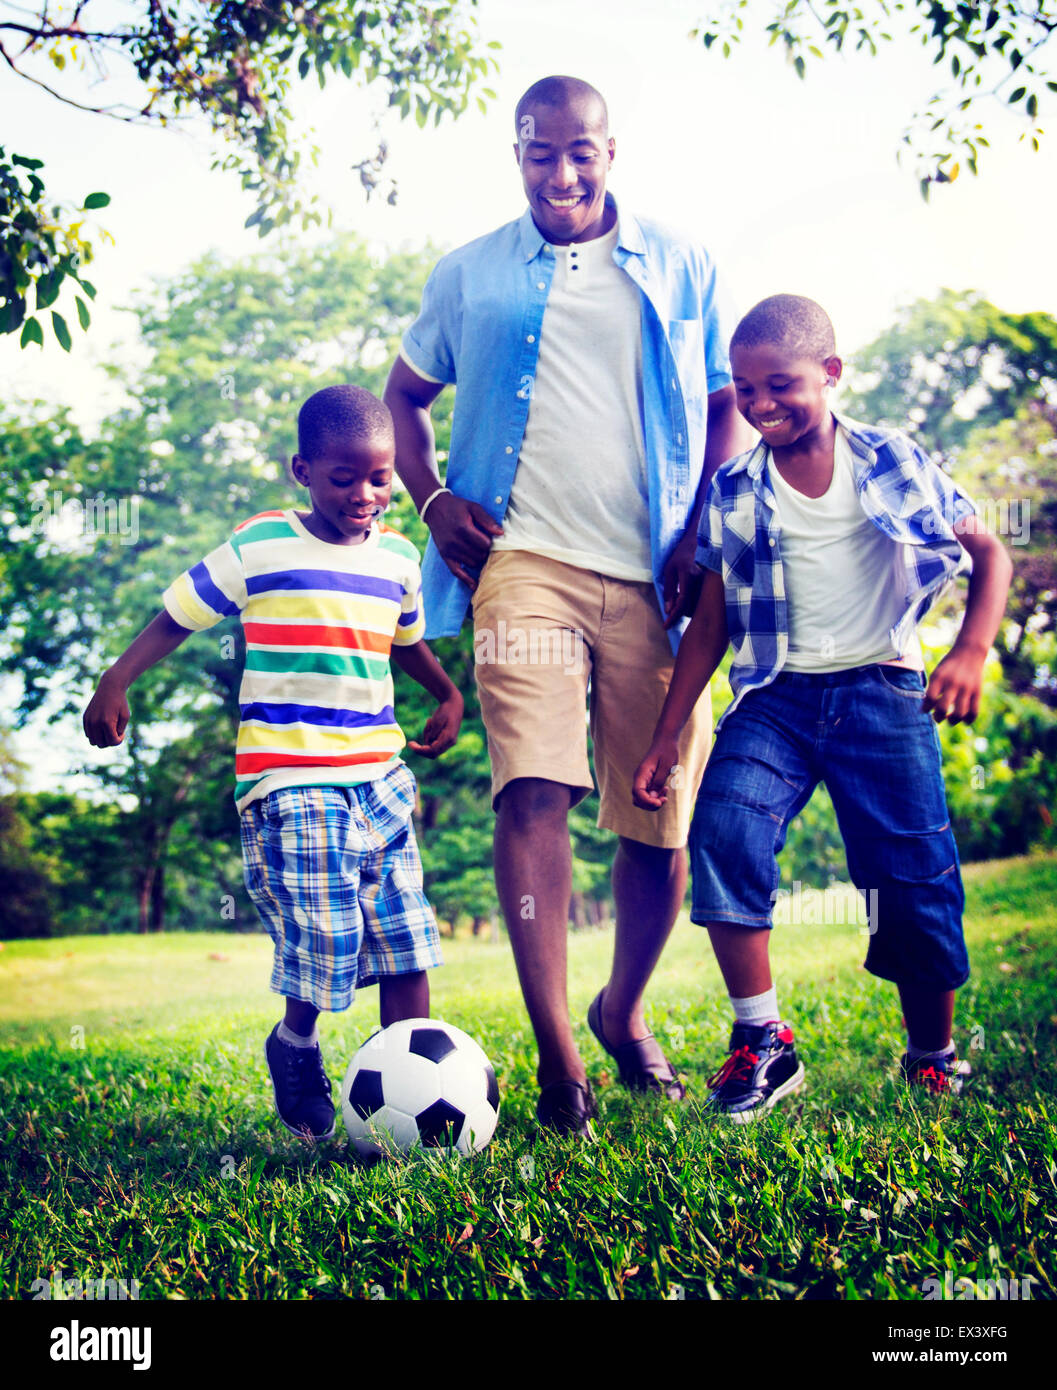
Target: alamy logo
(59, 518)
(60, 1289)
(839, 905)
(77, 1343)
(518, 646)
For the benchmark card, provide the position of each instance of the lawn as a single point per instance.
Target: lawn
(139, 1140)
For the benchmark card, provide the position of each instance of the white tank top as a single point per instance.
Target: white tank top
(845, 580)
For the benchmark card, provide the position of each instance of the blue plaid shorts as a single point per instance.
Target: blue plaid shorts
(335, 874)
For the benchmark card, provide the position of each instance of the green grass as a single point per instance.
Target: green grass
(138, 1141)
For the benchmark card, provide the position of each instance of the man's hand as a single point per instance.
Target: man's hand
(106, 718)
(681, 581)
(442, 728)
(463, 533)
(955, 687)
(649, 789)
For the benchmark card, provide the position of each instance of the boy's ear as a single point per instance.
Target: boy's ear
(833, 367)
(299, 468)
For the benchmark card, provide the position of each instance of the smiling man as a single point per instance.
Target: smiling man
(593, 404)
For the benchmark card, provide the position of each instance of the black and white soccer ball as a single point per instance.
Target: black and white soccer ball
(420, 1082)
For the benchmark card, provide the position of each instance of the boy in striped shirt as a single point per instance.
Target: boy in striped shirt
(326, 598)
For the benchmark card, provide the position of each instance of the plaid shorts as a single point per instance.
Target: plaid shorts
(335, 874)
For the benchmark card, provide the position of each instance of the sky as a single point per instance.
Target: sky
(792, 185)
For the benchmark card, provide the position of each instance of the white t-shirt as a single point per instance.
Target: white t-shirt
(845, 580)
(579, 494)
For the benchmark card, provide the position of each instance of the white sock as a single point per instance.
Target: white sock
(756, 1008)
(287, 1035)
(915, 1054)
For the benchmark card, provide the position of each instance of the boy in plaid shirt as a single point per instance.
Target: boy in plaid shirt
(331, 861)
(822, 548)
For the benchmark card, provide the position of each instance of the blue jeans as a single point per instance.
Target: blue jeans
(862, 732)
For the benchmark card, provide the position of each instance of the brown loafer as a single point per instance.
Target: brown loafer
(641, 1064)
(567, 1106)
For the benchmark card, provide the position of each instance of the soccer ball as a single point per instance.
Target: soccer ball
(419, 1082)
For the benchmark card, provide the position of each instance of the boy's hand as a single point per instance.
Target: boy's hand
(955, 686)
(442, 728)
(107, 715)
(649, 789)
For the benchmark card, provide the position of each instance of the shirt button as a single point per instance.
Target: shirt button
(531, 338)
(771, 541)
(678, 439)
(675, 384)
(509, 449)
(499, 499)
(541, 284)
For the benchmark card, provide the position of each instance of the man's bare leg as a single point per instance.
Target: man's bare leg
(533, 871)
(648, 889)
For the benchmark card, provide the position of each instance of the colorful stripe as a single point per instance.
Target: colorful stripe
(319, 622)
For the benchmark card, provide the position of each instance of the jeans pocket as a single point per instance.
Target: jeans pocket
(902, 680)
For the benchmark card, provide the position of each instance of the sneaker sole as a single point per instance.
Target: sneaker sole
(745, 1117)
(301, 1133)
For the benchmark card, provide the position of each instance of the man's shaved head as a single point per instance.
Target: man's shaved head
(557, 92)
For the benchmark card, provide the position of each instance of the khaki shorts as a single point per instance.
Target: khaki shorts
(544, 631)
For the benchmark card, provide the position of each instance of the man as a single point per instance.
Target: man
(594, 402)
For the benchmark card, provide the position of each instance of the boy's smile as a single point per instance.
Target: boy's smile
(349, 484)
(564, 155)
(783, 395)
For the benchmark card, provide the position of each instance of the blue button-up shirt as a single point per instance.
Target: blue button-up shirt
(480, 326)
(901, 490)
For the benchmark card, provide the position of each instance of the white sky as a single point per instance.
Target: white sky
(793, 185)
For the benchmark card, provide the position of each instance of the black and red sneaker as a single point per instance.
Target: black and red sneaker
(762, 1069)
(942, 1076)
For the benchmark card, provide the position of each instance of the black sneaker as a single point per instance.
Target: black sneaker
(940, 1075)
(301, 1088)
(762, 1069)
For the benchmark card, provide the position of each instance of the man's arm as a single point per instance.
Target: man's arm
(957, 682)
(107, 715)
(462, 530)
(728, 435)
(442, 727)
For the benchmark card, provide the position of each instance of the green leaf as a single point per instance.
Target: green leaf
(62, 332)
(1017, 95)
(82, 312)
(31, 333)
(48, 287)
(96, 200)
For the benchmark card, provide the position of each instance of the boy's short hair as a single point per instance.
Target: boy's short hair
(788, 321)
(340, 411)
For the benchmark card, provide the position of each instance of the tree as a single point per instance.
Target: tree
(234, 66)
(952, 365)
(995, 50)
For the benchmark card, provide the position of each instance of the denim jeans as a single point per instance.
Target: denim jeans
(862, 732)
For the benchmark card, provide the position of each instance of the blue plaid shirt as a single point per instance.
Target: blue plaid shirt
(902, 491)
(480, 326)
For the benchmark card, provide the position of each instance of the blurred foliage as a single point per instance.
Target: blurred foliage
(233, 65)
(993, 52)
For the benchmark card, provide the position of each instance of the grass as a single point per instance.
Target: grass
(138, 1141)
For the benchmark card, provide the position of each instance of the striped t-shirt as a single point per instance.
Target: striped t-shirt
(316, 701)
